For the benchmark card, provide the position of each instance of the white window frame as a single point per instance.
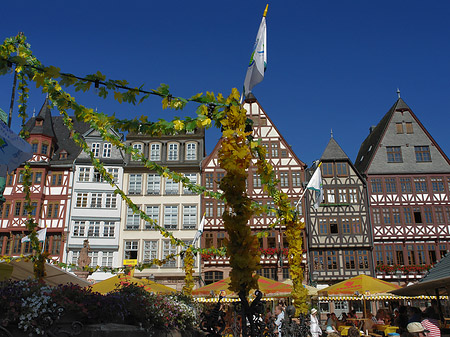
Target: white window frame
(82, 200)
(153, 213)
(173, 151)
(171, 216)
(95, 148)
(109, 229)
(135, 183)
(155, 151)
(153, 184)
(96, 200)
(133, 220)
(149, 250)
(191, 151)
(171, 187)
(131, 246)
(84, 173)
(193, 179)
(189, 216)
(107, 147)
(110, 200)
(107, 259)
(79, 229)
(93, 229)
(168, 249)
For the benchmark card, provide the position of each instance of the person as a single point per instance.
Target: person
(332, 320)
(353, 332)
(414, 315)
(279, 312)
(431, 322)
(331, 330)
(314, 327)
(343, 318)
(415, 329)
(402, 320)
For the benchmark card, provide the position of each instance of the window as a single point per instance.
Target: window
(327, 169)
(353, 196)
(114, 172)
(132, 220)
(108, 229)
(410, 254)
(323, 227)
(56, 179)
(63, 154)
(417, 215)
(209, 240)
(191, 151)
(34, 147)
(95, 148)
(420, 184)
(394, 154)
(376, 216)
(155, 152)
(169, 249)
(396, 216)
(220, 239)
(284, 179)
(153, 184)
(75, 255)
(209, 209)
(422, 153)
(82, 199)
(5, 214)
(428, 215)
(284, 154)
(37, 177)
(17, 208)
(171, 187)
(96, 200)
(220, 208)
(138, 147)
(376, 185)
(330, 196)
(220, 176)
(209, 180)
(319, 260)
(135, 184)
(391, 185)
(52, 210)
(334, 229)
(44, 149)
(172, 153)
(399, 127)
(432, 254)
(107, 150)
(153, 213)
(399, 254)
(332, 260)
(275, 150)
(342, 196)
(345, 226)
(189, 217)
(389, 254)
(107, 259)
(405, 185)
(33, 211)
(439, 215)
(356, 225)
(150, 251)
(97, 177)
(409, 127)
(192, 179)
(131, 250)
(83, 174)
(379, 255)
(443, 250)
(349, 257)
(296, 179)
(363, 259)
(408, 215)
(111, 200)
(94, 229)
(213, 276)
(341, 169)
(256, 180)
(170, 217)
(386, 216)
(437, 184)
(421, 254)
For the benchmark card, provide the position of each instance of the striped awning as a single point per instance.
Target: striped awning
(377, 298)
(227, 299)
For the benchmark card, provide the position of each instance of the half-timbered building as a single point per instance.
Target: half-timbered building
(51, 186)
(409, 179)
(95, 210)
(339, 232)
(290, 172)
(167, 202)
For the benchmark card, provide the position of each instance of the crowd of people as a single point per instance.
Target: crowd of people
(411, 322)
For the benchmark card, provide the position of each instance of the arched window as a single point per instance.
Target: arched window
(172, 151)
(191, 151)
(155, 151)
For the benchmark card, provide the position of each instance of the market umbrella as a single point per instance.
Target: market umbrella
(120, 280)
(267, 286)
(361, 284)
(312, 291)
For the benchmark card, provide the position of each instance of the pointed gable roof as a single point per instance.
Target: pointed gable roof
(372, 143)
(42, 123)
(333, 151)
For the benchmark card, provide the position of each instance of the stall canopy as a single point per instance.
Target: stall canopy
(21, 270)
(358, 285)
(435, 282)
(267, 286)
(120, 280)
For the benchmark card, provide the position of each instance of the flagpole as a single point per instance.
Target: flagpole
(301, 197)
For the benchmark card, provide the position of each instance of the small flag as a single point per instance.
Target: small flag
(41, 234)
(315, 184)
(258, 60)
(200, 230)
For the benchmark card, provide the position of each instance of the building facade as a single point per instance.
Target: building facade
(51, 186)
(290, 171)
(339, 231)
(168, 203)
(408, 182)
(95, 211)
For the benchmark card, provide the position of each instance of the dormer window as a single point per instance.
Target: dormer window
(191, 151)
(44, 149)
(39, 122)
(155, 151)
(63, 154)
(172, 153)
(34, 147)
(95, 148)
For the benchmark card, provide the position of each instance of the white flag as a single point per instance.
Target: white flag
(258, 60)
(315, 184)
(200, 230)
(41, 234)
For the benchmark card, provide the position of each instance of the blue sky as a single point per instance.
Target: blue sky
(331, 64)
